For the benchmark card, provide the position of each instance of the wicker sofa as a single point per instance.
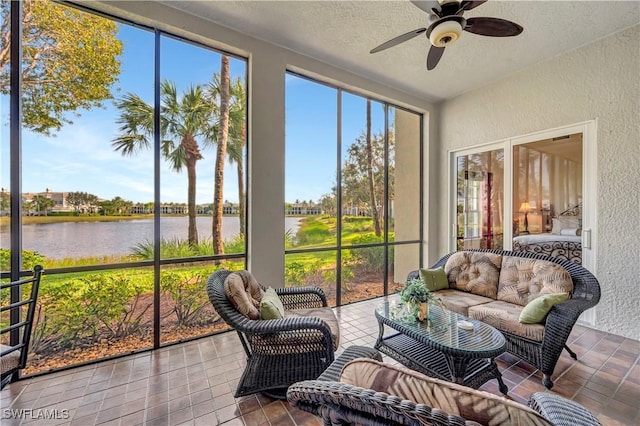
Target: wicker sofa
(372, 393)
(493, 286)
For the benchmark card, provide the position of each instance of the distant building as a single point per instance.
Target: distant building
(59, 198)
(303, 209)
(61, 205)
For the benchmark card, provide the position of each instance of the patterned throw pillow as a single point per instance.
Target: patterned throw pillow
(450, 398)
(271, 306)
(434, 279)
(474, 272)
(524, 279)
(536, 311)
(244, 293)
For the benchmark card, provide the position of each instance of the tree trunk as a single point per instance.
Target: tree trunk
(192, 156)
(241, 195)
(241, 203)
(221, 153)
(372, 192)
(191, 202)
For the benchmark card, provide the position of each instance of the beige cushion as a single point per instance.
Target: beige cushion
(474, 272)
(325, 314)
(460, 301)
(10, 361)
(244, 293)
(299, 341)
(505, 317)
(523, 279)
(470, 404)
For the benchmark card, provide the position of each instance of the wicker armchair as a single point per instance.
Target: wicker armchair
(340, 403)
(545, 354)
(280, 351)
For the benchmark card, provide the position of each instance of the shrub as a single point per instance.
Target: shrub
(187, 290)
(289, 239)
(294, 274)
(300, 273)
(113, 300)
(234, 245)
(176, 248)
(83, 309)
(357, 224)
(346, 275)
(169, 249)
(29, 259)
(369, 259)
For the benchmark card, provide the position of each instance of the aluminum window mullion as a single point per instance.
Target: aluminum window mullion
(156, 190)
(339, 198)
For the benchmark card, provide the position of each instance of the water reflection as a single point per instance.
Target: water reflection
(89, 239)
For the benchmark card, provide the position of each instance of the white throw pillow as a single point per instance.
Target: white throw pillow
(564, 222)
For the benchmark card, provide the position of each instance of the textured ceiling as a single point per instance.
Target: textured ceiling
(341, 33)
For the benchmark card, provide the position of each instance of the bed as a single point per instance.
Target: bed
(568, 247)
(564, 240)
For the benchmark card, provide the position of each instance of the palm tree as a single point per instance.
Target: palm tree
(237, 141)
(42, 203)
(182, 121)
(220, 89)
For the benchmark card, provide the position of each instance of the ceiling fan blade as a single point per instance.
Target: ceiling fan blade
(429, 6)
(492, 27)
(435, 53)
(397, 40)
(468, 4)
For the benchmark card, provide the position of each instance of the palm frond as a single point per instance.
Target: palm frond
(136, 124)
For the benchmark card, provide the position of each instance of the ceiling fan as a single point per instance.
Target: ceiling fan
(446, 24)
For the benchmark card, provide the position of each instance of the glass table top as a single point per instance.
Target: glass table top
(443, 327)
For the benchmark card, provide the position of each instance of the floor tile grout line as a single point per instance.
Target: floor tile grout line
(595, 373)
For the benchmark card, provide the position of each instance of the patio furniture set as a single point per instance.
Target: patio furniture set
(444, 359)
(495, 286)
(290, 337)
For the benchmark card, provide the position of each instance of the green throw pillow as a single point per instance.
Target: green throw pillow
(536, 310)
(271, 306)
(434, 279)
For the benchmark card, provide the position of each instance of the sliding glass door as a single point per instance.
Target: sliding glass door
(529, 193)
(480, 200)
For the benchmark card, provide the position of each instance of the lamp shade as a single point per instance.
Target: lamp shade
(525, 207)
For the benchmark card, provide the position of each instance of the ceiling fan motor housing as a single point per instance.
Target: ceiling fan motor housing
(446, 31)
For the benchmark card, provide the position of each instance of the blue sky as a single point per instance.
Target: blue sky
(80, 156)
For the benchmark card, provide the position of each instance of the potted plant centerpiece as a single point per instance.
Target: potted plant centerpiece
(417, 296)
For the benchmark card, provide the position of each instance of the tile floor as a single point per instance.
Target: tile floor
(193, 383)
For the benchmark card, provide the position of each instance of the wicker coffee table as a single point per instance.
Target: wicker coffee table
(439, 347)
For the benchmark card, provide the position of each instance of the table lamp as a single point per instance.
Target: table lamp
(525, 208)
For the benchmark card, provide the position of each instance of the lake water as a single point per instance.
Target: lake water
(84, 239)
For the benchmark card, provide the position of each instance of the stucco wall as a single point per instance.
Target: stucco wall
(598, 81)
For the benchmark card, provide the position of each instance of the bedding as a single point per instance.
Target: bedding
(568, 247)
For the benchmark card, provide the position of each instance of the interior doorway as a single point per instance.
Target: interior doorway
(529, 193)
(547, 197)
